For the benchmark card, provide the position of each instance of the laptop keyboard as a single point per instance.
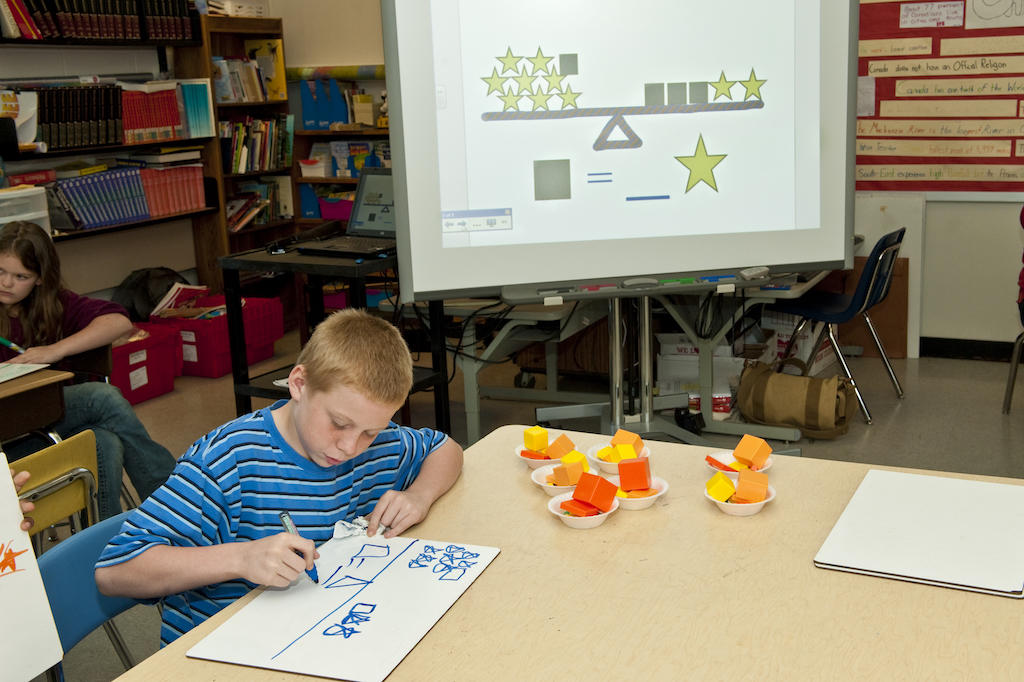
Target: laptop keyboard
(365, 242)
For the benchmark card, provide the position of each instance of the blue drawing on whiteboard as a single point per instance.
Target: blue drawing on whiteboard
(370, 551)
(357, 615)
(452, 562)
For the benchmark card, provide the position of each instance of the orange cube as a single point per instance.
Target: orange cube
(596, 491)
(568, 474)
(635, 474)
(752, 486)
(578, 508)
(752, 451)
(559, 447)
(623, 437)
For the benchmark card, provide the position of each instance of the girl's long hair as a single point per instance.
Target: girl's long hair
(41, 311)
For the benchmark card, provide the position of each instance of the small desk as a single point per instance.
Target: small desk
(522, 325)
(32, 402)
(318, 271)
(677, 591)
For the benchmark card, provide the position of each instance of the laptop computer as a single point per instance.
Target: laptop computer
(371, 225)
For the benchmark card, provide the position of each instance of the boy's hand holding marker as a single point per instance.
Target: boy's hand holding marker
(276, 560)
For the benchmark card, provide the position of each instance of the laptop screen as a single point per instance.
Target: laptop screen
(373, 210)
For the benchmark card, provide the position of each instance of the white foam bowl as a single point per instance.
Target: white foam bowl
(725, 457)
(532, 463)
(743, 509)
(635, 503)
(580, 522)
(539, 475)
(608, 467)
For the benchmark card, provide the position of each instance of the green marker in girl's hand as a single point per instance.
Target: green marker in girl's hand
(13, 346)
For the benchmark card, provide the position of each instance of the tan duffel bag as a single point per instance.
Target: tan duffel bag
(819, 407)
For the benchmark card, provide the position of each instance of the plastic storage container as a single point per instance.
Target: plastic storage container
(146, 368)
(26, 203)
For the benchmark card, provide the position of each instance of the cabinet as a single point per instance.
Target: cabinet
(225, 37)
(304, 141)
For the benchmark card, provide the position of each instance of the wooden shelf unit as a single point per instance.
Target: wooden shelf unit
(226, 36)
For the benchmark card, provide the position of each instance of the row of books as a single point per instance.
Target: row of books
(74, 116)
(96, 19)
(126, 195)
(251, 145)
(259, 202)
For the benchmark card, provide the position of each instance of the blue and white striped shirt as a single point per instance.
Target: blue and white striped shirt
(234, 482)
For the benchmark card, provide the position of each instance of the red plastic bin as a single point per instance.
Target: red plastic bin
(204, 343)
(146, 368)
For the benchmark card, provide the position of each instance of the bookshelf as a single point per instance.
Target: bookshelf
(225, 37)
(304, 141)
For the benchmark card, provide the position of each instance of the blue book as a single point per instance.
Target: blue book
(324, 107)
(73, 188)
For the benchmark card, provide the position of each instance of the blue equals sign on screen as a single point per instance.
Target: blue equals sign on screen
(602, 176)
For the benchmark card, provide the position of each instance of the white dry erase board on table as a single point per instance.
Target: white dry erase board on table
(376, 599)
(949, 532)
(29, 643)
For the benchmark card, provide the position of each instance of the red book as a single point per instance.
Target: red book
(33, 178)
(23, 19)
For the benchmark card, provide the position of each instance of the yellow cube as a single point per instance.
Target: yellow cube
(535, 438)
(621, 493)
(720, 487)
(576, 456)
(605, 454)
(738, 465)
(625, 451)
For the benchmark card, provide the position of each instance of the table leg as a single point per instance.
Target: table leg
(439, 363)
(236, 338)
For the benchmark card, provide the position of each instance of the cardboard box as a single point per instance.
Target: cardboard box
(204, 342)
(145, 368)
(783, 324)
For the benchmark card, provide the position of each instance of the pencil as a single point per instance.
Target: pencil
(13, 346)
(289, 525)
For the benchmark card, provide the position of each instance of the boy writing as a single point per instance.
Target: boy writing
(330, 452)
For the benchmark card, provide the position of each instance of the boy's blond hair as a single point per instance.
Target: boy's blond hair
(355, 349)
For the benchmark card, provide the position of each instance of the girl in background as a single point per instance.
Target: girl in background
(39, 314)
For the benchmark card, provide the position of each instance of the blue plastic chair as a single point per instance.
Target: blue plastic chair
(872, 288)
(76, 603)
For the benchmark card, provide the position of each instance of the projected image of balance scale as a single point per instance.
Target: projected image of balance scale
(540, 89)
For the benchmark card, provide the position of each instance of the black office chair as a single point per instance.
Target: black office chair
(872, 288)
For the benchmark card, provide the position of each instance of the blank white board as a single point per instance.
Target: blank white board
(29, 643)
(950, 532)
(376, 599)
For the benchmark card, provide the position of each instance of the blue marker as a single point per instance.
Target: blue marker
(289, 525)
(358, 261)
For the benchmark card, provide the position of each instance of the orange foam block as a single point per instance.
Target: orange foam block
(596, 491)
(752, 451)
(635, 474)
(623, 437)
(559, 447)
(751, 486)
(568, 474)
(532, 454)
(579, 508)
(718, 465)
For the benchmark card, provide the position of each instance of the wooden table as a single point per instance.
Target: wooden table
(677, 591)
(31, 402)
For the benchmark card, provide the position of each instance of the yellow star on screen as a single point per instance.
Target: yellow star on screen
(495, 83)
(701, 166)
(510, 101)
(752, 86)
(569, 97)
(524, 82)
(540, 101)
(722, 87)
(554, 81)
(540, 62)
(509, 62)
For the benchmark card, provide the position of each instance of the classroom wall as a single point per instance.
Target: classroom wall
(964, 255)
